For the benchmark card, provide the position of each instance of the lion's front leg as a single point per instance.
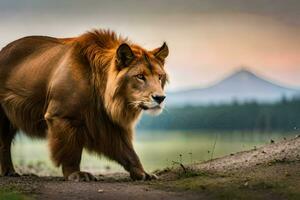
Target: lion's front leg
(66, 144)
(135, 168)
(127, 157)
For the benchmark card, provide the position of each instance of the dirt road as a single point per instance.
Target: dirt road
(272, 171)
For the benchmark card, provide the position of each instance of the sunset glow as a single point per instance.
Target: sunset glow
(207, 39)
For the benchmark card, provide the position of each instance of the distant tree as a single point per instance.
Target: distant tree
(281, 116)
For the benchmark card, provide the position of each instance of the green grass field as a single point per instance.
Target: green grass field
(156, 149)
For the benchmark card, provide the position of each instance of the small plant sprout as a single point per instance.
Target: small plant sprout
(180, 158)
(191, 157)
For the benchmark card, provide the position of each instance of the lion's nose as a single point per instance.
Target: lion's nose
(158, 98)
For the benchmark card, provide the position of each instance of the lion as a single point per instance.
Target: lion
(86, 92)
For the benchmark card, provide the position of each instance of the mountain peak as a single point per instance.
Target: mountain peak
(241, 76)
(243, 72)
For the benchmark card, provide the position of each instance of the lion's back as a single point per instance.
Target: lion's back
(26, 66)
(25, 53)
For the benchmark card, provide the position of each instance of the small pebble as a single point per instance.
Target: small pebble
(100, 191)
(202, 187)
(246, 184)
(287, 174)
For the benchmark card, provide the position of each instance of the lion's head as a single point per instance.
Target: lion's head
(136, 81)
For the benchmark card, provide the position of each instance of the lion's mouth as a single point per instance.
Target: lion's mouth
(144, 107)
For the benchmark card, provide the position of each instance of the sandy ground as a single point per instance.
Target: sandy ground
(270, 172)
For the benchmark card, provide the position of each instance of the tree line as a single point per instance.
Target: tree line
(280, 116)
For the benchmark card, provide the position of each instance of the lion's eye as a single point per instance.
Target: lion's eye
(141, 77)
(160, 77)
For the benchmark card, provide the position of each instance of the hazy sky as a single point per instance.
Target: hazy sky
(208, 39)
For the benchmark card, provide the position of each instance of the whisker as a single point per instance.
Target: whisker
(166, 109)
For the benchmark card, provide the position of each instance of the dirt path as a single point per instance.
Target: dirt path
(282, 151)
(272, 172)
(45, 188)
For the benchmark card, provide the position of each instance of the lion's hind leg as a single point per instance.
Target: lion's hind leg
(66, 144)
(7, 134)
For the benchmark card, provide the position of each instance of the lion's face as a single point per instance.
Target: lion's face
(145, 86)
(143, 77)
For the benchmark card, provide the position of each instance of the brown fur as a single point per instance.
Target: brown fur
(81, 92)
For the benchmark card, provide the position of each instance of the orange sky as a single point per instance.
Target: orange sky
(208, 39)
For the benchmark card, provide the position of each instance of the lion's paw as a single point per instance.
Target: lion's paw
(149, 177)
(138, 174)
(11, 174)
(81, 176)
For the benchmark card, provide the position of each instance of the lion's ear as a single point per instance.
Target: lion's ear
(162, 52)
(124, 55)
